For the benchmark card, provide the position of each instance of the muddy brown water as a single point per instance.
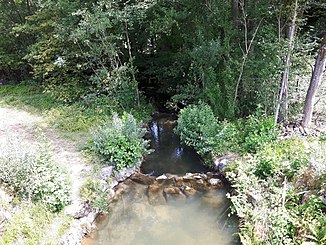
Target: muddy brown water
(136, 217)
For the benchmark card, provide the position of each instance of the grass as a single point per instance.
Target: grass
(33, 224)
(75, 118)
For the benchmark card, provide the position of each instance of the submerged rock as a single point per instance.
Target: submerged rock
(213, 199)
(155, 195)
(173, 193)
(189, 192)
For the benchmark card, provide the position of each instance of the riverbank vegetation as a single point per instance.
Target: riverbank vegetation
(244, 76)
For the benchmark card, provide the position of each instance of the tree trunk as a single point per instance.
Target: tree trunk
(281, 115)
(235, 13)
(314, 82)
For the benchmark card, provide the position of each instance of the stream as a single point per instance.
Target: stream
(174, 200)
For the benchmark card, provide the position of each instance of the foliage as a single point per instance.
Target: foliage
(272, 203)
(197, 127)
(120, 141)
(256, 130)
(32, 175)
(283, 159)
(92, 192)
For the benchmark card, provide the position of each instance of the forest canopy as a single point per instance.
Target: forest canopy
(237, 56)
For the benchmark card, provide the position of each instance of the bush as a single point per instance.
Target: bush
(283, 159)
(92, 191)
(256, 131)
(120, 141)
(277, 193)
(197, 128)
(32, 175)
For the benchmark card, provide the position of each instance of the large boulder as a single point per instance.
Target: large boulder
(190, 192)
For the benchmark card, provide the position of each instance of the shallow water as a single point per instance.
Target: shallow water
(132, 220)
(201, 219)
(170, 155)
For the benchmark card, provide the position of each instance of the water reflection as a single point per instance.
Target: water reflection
(170, 155)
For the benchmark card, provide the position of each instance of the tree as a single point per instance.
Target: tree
(314, 82)
(283, 96)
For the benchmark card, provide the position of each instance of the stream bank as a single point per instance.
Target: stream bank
(173, 193)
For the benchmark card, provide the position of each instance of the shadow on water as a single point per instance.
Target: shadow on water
(170, 155)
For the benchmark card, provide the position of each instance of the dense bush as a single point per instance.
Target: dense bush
(256, 130)
(277, 194)
(32, 175)
(120, 141)
(197, 128)
(282, 159)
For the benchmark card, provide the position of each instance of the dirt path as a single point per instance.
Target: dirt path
(27, 127)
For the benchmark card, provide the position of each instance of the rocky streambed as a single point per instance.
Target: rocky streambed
(152, 206)
(168, 209)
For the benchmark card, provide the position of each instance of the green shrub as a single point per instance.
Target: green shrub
(31, 175)
(284, 158)
(92, 192)
(120, 141)
(197, 128)
(256, 131)
(268, 192)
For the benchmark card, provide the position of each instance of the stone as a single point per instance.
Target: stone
(188, 176)
(189, 192)
(173, 193)
(112, 184)
(106, 172)
(142, 179)
(199, 185)
(197, 177)
(161, 177)
(83, 211)
(126, 173)
(203, 176)
(155, 195)
(169, 181)
(215, 182)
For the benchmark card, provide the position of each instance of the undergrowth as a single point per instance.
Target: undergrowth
(278, 191)
(200, 129)
(31, 224)
(119, 141)
(31, 174)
